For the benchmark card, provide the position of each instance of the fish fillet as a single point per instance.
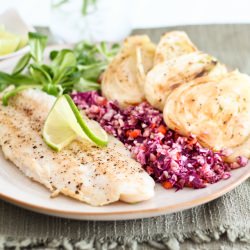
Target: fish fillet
(94, 175)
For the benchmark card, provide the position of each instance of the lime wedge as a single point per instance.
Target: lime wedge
(5, 34)
(10, 42)
(8, 45)
(23, 42)
(65, 124)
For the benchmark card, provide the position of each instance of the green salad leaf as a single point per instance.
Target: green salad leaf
(63, 65)
(17, 80)
(39, 74)
(15, 91)
(22, 63)
(37, 43)
(76, 69)
(85, 85)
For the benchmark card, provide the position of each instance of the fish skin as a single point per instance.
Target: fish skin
(83, 171)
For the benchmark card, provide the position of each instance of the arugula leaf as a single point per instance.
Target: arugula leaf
(22, 63)
(115, 48)
(64, 58)
(78, 69)
(3, 85)
(48, 70)
(86, 53)
(52, 89)
(92, 71)
(53, 54)
(63, 64)
(107, 53)
(19, 80)
(93, 58)
(39, 74)
(15, 91)
(37, 44)
(7, 79)
(84, 85)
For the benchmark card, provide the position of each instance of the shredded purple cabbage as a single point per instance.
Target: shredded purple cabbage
(171, 159)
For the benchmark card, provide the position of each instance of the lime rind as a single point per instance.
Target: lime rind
(65, 124)
(91, 128)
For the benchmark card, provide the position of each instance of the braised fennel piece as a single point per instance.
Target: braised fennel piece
(68, 70)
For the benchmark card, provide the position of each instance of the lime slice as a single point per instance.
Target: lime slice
(6, 34)
(23, 42)
(14, 42)
(65, 124)
(8, 45)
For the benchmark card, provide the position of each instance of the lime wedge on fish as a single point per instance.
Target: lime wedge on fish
(65, 124)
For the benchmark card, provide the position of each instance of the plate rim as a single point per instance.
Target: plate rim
(164, 209)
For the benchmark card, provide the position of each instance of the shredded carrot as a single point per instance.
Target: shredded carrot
(167, 184)
(178, 155)
(152, 125)
(192, 140)
(149, 170)
(162, 129)
(133, 133)
(102, 101)
(189, 185)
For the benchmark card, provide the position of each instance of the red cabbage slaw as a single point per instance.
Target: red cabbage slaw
(171, 159)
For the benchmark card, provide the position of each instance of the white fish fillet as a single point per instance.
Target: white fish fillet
(97, 176)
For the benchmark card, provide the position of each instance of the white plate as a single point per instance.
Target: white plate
(14, 24)
(19, 190)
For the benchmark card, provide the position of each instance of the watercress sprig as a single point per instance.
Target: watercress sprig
(68, 70)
